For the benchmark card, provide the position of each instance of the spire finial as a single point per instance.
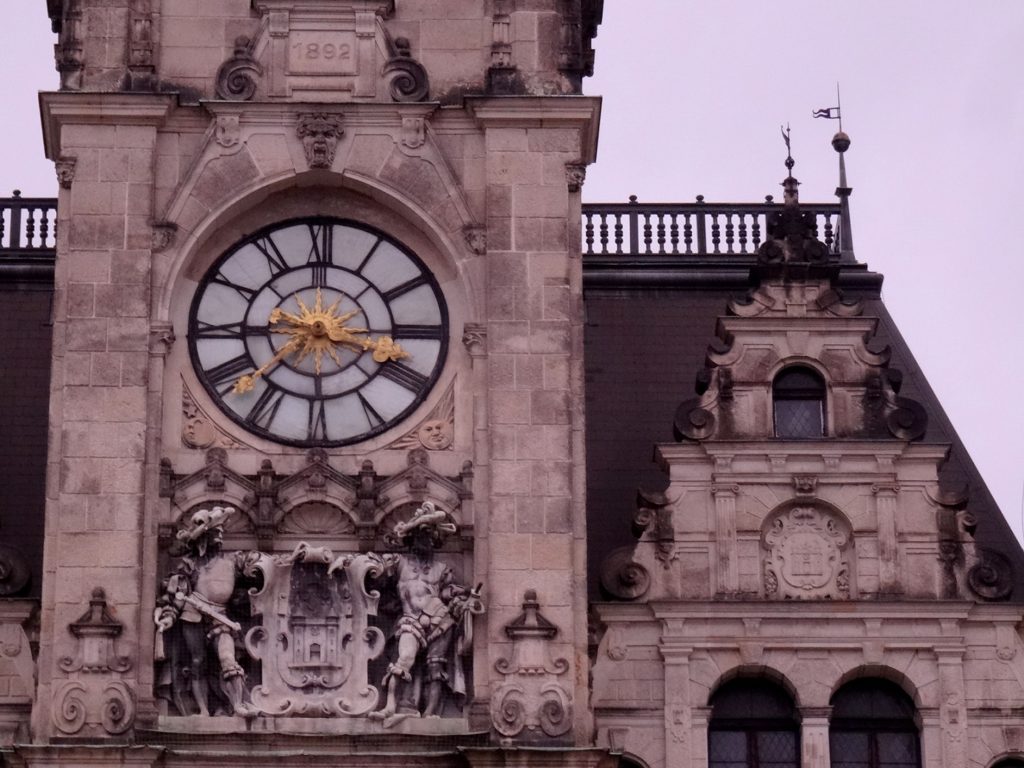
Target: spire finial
(790, 195)
(841, 143)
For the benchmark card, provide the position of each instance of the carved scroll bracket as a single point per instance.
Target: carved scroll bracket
(531, 704)
(95, 700)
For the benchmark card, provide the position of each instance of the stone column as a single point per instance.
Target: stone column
(952, 705)
(725, 538)
(534, 328)
(814, 737)
(679, 730)
(98, 404)
(888, 542)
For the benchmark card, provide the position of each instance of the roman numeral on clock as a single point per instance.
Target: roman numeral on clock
(270, 251)
(371, 413)
(405, 287)
(228, 372)
(418, 332)
(320, 253)
(317, 427)
(265, 408)
(403, 375)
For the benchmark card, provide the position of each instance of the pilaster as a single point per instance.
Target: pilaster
(99, 412)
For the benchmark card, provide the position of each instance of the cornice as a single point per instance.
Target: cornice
(583, 112)
(60, 108)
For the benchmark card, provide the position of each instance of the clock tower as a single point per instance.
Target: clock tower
(316, 430)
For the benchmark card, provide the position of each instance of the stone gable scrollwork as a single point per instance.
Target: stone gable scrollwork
(406, 78)
(805, 554)
(622, 577)
(991, 577)
(238, 77)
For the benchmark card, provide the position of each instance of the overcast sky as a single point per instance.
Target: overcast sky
(694, 94)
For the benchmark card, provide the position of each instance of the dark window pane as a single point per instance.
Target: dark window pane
(897, 749)
(777, 747)
(727, 746)
(745, 699)
(849, 748)
(871, 699)
(798, 418)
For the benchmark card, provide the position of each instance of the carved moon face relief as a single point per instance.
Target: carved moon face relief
(318, 332)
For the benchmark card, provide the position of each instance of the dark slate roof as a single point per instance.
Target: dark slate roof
(648, 327)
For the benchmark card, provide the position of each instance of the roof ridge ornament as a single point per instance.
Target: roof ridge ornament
(792, 233)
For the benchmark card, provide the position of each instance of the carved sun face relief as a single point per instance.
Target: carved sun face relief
(318, 332)
(805, 554)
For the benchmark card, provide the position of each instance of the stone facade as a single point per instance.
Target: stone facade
(275, 535)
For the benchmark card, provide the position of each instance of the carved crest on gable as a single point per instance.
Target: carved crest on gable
(806, 554)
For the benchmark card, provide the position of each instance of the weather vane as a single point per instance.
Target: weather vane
(790, 162)
(832, 113)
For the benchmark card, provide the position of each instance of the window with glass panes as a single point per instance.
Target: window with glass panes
(873, 726)
(798, 395)
(753, 725)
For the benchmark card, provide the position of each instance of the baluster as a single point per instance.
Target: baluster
(634, 246)
(661, 233)
(716, 231)
(30, 228)
(828, 232)
(729, 229)
(602, 232)
(15, 236)
(588, 233)
(687, 234)
(743, 233)
(3, 225)
(702, 242)
(673, 233)
(647, 233)
(755, 231)
(618, 233)
(44, 227)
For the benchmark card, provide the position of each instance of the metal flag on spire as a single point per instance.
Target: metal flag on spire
(831, 113)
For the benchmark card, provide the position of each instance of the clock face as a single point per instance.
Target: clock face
(318, 332)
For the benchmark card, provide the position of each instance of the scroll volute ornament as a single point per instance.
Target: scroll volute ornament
(95, 699)
(531, 704)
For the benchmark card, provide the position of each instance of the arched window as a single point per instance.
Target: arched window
(753, 725)
(1010, 762)
(798, 395)
(873, 727)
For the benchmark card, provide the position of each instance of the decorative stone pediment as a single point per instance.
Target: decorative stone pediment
(324, 51)
(805, 553)
(806, 323)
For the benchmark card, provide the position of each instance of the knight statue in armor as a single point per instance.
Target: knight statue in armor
(195, 602)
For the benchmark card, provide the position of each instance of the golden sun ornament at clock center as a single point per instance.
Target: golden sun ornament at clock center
(319, 332)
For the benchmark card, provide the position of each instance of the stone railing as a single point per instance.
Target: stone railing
(28, 238)
(699, 228)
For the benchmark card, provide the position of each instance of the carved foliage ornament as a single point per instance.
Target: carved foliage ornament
(320, 133)
(237, 77)
(531, 699)
(805, 554)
